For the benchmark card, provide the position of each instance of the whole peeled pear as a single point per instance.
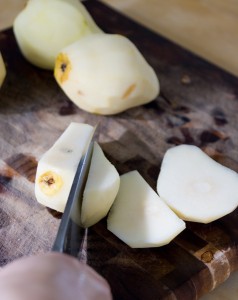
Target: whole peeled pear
(44, 27)
(105, 74)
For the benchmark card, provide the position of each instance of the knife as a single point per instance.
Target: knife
(71, 236)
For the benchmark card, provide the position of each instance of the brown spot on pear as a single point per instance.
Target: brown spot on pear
(129, 90)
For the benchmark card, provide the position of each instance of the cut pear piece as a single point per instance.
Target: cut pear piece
(105, 74)
(2, 70)
(57, 167)
(101, 188)
(195, 186)
(139, 217)
(44, 27)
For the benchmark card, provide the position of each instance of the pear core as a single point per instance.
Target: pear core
(50, 183)
(62, 68)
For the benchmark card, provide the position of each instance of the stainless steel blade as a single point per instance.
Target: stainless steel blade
(71, 234)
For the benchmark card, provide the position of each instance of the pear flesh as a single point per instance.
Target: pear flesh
(57, 167)
(44, 27)
(2, 70)
(195, 186)
(139, 217)
(105, 74)
(101, 188)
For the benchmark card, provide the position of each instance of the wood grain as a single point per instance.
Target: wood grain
(197, 105)
(208, 28)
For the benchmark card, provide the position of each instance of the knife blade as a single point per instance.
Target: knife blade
(71, 235)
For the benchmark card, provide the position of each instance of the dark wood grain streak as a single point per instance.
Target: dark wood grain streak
(197, 105)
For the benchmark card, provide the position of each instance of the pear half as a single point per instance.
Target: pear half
(2, 70)
(105, 74)
(195, 186)
(101, 188)
(57, 167)
(139, 217)
(44, 27)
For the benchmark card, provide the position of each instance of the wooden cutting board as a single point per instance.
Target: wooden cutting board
(197, 105)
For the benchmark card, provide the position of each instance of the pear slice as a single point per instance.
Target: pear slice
(44, 27)
(105, 74)
(195, 186)
(101, 188)
(139, 217)
(2, 70)
(57, 167)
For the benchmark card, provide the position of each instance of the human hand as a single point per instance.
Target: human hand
(51, 276)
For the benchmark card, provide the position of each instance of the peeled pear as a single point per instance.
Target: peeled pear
(2, 70)
(195, 186)
(105, 74)
(44, 27)
(139, 217)
(101, 188)
(57, 167)
(88, 19)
